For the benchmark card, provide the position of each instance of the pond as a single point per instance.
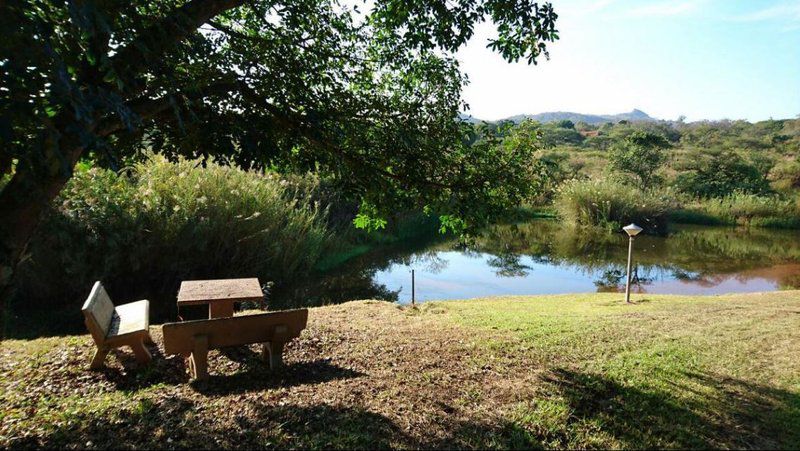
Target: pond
(540, 257)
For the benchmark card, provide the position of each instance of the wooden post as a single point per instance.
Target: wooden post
(200, 357)
(272, 351)
(142, 354)
(413, 289)
(628, 284)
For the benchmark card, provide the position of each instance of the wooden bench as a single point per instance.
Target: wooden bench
(113, 327)
(195, 338)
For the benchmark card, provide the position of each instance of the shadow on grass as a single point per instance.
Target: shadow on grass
(260, 377)
(575, 410)
(255, 376)
(250, 372)
(178, 423)
(698, 411)
(133, 376)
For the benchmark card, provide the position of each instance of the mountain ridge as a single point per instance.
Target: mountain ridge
(635, 115)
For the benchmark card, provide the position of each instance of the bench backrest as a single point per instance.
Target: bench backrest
(98, 311)
(234, 331)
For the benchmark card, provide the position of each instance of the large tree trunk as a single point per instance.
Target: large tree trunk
(22, 203)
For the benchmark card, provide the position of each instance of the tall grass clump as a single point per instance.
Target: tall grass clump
(148, 228)
(750, 210)
(611, 204)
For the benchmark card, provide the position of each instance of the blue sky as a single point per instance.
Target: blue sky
(705, 59)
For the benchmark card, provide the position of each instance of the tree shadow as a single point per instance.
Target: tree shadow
(131, 376)
(719, 412)
(763, 416)
(255, 375)
(260, 377)
(179, 423)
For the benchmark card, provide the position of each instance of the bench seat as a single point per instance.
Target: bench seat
(131, 318)
(114, 327)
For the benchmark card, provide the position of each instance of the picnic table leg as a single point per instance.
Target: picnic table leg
(199, 358)
(220, 309)
(99, 358)
(272, 352)
(142, 354)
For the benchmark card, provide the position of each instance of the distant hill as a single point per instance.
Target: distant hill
(470, 119)
(635, 115)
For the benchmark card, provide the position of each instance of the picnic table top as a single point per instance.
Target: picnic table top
(205, 291)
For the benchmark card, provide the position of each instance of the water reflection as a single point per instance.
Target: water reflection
(540, 257)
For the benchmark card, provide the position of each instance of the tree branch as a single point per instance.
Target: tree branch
(155, 40)
(294, 122)
(146, 108)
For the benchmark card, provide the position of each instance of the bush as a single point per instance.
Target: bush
(612, 204)
(786, 175)
(721, 174)
(143, 232)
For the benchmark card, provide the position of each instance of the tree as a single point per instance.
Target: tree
(555, 134)
(369, 98)
(639, 154)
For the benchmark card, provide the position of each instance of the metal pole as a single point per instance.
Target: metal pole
(628, 284)
(413, 295)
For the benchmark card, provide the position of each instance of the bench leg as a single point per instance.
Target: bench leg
(272, 352)
(199, 358)
(99, 358)
(142, 354)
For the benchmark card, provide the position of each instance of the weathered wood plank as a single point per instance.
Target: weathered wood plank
(195, 338)
(234, 331)
(194, 292)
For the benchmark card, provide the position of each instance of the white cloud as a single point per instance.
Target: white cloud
(661, 9)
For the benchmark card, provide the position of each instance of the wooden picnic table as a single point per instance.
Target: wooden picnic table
(219, 294)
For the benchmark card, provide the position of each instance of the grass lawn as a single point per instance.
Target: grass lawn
(542, 371)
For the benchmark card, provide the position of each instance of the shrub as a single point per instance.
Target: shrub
(786, 175)
(612, 204)
(144, 231)
(721, 174)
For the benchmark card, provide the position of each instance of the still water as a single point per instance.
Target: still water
(539, 257)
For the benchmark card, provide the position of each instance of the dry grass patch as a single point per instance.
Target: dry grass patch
(362, 374)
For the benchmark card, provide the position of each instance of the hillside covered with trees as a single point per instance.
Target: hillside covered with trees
(716, 172)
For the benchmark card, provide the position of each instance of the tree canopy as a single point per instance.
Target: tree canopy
(639, 154)
(366, 95)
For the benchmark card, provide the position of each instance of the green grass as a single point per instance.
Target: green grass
(670, 371)
(741, 209)
(566, 371)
